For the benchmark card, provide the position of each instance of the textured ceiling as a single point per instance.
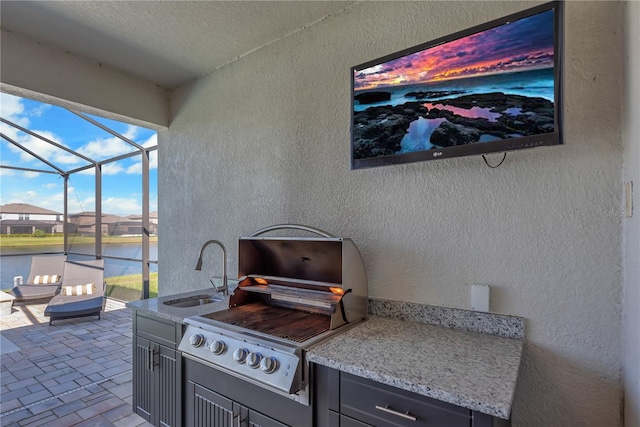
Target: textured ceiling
(165, 42)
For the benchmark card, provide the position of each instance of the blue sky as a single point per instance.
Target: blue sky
(122, 180)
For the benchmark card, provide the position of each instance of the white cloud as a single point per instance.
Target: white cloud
(121, 205)
(7, 172)
(131, 132)
(42, 148)
(112, 168)
(152, 141)
(51, 203)
(37, 111)
(105, 148)
(57, 197)
(107, 169)
(30, 174)
(86, 205)
(44, 200)
(50, 186)
(12, 108)
(153, 160)
(135, 169)
(90, 171)
(28, 197)
(74, 201)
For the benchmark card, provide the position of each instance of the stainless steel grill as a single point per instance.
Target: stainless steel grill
(293, 292)
(286, 323)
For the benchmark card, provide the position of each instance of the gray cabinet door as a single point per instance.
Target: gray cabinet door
(209, 409)
(156, 378)
(157, 370)
(166, 374)
(143, 384)
(206, 408)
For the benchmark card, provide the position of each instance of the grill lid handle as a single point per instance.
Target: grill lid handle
(293, 227)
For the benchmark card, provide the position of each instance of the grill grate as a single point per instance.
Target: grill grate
(289, 324)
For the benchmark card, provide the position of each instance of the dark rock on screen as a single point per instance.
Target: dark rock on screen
(372, 97)
(379, 130)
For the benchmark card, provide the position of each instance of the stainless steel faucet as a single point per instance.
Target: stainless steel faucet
(225, 288)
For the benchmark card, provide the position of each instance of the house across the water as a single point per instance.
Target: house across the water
(22, 218)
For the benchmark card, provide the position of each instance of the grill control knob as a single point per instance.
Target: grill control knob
(218, 347)
(196, 340)
(253, 360)
(240, 355)
(269, 365)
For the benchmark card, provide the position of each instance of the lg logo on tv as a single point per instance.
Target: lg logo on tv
(437, 154)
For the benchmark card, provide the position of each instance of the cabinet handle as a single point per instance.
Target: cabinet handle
(150, 358)
(405, 415)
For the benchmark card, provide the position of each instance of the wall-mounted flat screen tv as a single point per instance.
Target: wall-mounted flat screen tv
(492, 88)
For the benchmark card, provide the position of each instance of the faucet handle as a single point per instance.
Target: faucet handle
(220, 288)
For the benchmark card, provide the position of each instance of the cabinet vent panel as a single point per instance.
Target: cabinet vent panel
(209, 414)
(167, 380)
(143, 381)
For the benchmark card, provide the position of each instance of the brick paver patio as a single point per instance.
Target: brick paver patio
(74, 373)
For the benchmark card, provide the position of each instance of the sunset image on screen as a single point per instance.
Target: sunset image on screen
(491, 85)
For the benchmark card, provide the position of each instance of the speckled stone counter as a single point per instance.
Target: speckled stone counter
(466, 358)
(157, 307)
(474, 370)
(472, 321)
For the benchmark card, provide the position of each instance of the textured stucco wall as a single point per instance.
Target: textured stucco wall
(631, 239)
(265, 140)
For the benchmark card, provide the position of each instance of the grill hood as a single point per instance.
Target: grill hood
(319, 274)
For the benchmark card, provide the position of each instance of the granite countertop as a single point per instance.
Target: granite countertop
(469, 369)
(466, 358)
(157, 307)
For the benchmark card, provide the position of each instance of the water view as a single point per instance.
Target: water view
(19, 265)
(533, 84)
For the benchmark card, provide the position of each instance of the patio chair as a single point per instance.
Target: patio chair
(82, 292)
(45, 276)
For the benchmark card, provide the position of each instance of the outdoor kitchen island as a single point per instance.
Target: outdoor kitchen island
(408, 364)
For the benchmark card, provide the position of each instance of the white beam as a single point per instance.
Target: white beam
(31, 69)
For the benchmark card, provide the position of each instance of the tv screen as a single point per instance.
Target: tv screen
(492, 88)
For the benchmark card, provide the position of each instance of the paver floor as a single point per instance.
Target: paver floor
(74, 373)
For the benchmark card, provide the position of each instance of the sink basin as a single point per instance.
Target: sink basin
(193, 301)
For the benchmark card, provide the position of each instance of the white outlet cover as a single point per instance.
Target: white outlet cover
(480, 297)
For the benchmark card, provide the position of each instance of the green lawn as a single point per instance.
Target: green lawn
(126, 288)
(129, 288)
(13, 242)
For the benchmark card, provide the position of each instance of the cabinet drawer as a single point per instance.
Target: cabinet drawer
(159, 330)
(384, 406)
(350, 422)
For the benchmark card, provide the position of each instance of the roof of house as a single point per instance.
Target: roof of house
(152, 215)
(85, 219)
(81, 214)
(81, 219)
(29, 223)
(23, 208)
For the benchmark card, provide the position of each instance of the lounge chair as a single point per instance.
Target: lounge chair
(45, 276)
(82, 292)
